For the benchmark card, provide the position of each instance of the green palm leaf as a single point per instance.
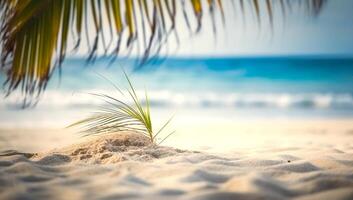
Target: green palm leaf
(116, 116)
(34, 33)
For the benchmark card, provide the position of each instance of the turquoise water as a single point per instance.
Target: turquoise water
(314, 87)
(245, 75)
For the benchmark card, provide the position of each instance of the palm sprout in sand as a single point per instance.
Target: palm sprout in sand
(119, 115)
(34, 34)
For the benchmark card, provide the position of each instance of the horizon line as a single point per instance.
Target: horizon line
(293, 56)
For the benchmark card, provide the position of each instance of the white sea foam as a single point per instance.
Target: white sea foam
(166, 98)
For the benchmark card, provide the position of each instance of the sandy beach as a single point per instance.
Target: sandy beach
(312, 164)
(164, 100)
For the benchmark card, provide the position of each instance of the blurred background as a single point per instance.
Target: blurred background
(239, 81)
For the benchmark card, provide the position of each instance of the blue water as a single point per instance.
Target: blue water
(274, 74)
(285, 74)
(245, 75)
(316, 87)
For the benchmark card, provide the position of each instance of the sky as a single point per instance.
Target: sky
(331, 33)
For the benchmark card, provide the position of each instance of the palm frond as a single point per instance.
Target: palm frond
(34, 33)
(117, 115)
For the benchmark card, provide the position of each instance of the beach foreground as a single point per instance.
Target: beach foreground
(126, 166)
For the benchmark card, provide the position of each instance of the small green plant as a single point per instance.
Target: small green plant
(118, 115)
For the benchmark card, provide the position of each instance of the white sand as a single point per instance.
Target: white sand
(306, 165)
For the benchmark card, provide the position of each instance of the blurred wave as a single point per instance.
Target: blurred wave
(165, 98)
(218, 88)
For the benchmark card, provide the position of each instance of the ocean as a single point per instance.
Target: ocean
(305, 87)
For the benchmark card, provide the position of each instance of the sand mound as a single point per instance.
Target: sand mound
(108, 149)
